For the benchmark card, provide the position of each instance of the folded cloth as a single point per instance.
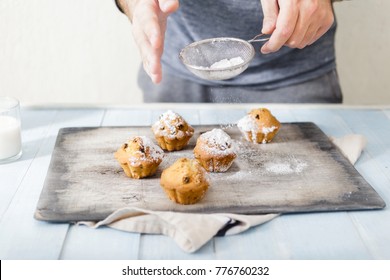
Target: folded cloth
(351, 146)
(192, 231)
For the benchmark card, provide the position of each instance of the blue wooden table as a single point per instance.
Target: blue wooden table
(335, 235)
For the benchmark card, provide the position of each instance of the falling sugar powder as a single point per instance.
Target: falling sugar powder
(227, 125)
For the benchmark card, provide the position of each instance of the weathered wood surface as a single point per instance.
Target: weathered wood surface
(300, 171)
(321, 235)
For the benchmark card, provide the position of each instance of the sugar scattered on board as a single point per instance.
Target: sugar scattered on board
(285, 168)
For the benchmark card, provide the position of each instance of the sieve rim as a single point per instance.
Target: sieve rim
(218, 39)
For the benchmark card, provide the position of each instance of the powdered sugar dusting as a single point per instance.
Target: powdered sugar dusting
(149, 152)
(217, 141)
(285, 168)
(169, 125)
(249, 124)
(267, 130)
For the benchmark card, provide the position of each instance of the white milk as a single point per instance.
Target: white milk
(10, 138)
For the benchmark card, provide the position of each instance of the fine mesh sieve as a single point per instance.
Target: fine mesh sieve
(199, 56)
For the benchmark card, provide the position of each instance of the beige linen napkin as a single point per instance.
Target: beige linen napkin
(350, 145)
(192, 231)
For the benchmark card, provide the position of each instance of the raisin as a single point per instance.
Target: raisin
(186, 179)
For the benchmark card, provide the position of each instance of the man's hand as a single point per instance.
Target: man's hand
(149, 20)
(295, 23)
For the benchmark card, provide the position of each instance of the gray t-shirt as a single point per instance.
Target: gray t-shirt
(202, 19)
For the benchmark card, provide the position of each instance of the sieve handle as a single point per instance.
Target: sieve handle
(256, 38)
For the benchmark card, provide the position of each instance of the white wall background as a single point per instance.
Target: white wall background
(82, 52)
(363, 50)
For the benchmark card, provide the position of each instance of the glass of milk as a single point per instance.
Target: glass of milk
(10, 132)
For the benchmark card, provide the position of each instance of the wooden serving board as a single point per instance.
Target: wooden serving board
(300, 171)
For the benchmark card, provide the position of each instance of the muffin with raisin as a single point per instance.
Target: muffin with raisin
(215, 150)
(185, 181)
(139, 157)
(172, 132)
(259, 126)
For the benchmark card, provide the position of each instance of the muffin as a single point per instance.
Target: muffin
(214, 150)
(139, 157)
(172, 132)
(259, 126)
(185, 181)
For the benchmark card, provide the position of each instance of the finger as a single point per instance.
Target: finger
(301, 28)
(150, 56)
(147, 19)
(319, 33)
(312, 17)
(151, 60)
(168, 6)
(152, 68)
(285, 25)
(156, 78)
(327, 24)
(154, 62)
(309, 36)
(270, 12)
(140, 37)
(149, 29)
(313, 39)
